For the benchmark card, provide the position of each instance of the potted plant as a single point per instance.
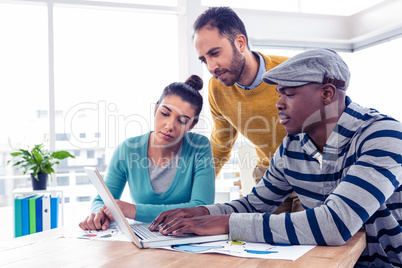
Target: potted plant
(40, 162)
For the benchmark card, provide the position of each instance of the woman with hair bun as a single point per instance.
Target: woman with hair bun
(167, 168)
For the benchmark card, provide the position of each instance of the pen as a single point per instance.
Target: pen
(260, 251)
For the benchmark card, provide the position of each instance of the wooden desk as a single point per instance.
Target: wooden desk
(51, 249)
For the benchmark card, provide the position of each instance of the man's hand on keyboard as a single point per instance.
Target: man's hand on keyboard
(169, 215)
(201, 225)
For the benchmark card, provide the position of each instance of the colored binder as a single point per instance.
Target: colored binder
(54, 211)
(39, 211)
(18, 216)
(32, 213)
(46, 212)
(25, 215)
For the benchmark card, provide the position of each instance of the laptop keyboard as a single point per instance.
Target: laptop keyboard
(144, 233)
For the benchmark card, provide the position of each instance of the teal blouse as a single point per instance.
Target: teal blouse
(193, 184)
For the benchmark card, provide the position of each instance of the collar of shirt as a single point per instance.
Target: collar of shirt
(258, 79)
(352, 119)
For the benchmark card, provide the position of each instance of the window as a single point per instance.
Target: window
(24, 85)
(145, 2)
(90, 154)
(24, 74)
(41, 114)
(329, 7)
(105, 76)
(108, 75)
(62, 137)
(63, 181)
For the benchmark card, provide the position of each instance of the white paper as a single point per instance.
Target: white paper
(113, 233)
(247, 249)
(227, 247)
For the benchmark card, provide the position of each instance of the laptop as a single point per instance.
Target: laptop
(139, 233)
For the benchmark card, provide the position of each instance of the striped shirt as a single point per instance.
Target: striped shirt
(354, 183)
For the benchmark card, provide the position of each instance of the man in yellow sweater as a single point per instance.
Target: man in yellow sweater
(238, 99)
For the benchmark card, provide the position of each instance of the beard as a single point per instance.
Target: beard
(235, 70)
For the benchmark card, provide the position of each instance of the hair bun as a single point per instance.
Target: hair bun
(195, 82)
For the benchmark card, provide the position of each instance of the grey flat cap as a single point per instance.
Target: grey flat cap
(313, 66)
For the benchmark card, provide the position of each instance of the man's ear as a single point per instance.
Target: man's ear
(328, 93)
(241, 42)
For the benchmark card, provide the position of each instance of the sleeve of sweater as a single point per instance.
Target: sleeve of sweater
(115, 180)
(371, 180)
(201, 177)
(223, 134)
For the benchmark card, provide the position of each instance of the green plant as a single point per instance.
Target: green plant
(38, 160)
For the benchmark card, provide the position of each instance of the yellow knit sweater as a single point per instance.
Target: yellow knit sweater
(250, 112)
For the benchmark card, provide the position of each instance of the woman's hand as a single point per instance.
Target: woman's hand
(128, 209)
(95, 221)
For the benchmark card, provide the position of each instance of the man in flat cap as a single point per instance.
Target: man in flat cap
(343, 161)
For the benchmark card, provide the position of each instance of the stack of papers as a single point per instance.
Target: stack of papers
(227, 247)
(247, 249)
